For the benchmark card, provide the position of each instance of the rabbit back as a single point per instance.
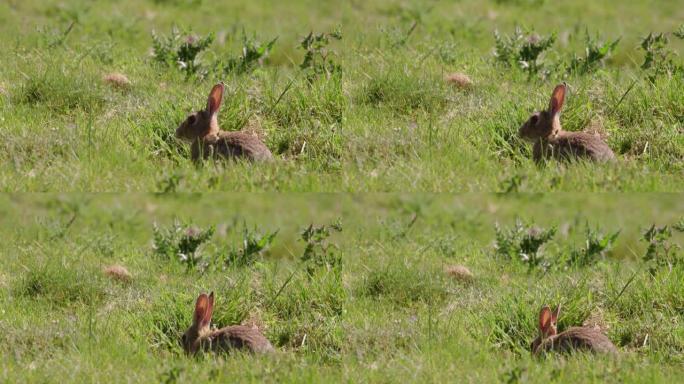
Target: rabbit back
(578, 339)
(231, 145)
(239, 337)
(569, 145)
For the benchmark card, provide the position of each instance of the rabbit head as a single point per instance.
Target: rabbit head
(204, 307)
(547, 325)
(545, 124)
(205, 122)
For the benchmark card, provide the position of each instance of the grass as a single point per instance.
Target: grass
(387, 123)
(384, 311)
(354, 286)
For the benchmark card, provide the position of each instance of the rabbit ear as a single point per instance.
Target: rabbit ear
(210, 310)
(557, 99)
(215, 98)
(554, 315)
(545, 317)
(201, 306)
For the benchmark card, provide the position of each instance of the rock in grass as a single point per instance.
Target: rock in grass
(117, 80)
(118, 272)
(459, 272)
(461, 80)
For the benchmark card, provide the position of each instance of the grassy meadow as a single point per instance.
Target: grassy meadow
(371, 301)
(369, 111)
(395, 276)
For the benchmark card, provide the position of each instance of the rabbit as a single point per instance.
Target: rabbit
(202, 129)
(573, 339)
(550, 140)
(200, 337)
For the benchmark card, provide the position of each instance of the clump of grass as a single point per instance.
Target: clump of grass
(658, 57)
(312, 303)
(158, 129)
(60, 286)
(254, 244)
(679, 225)
(595, 54)
(45, 341)
(319, 103)
(169, 182)
(310, 116)
(55, 38)
(655, 140)
(523, 242)
(318, 58)
(253, 54)
(523, 49)
(661, 252)
(181, 49)
(404, 92)
(512, 184)
(596, 245)
(310, 311)
(679, 32)
(181, 242)
(512, 325)
(318, 251)
(170, 315)
(403, 285)
(62, 91)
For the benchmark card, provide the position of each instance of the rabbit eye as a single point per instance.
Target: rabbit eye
(534, 119)
(191, 119)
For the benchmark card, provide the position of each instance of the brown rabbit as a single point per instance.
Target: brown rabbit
(201, 337)
(550, 140)
(202, 129)
(573, 339)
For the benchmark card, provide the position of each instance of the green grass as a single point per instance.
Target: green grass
(389, 123)
(370, 302)
(388, 313)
